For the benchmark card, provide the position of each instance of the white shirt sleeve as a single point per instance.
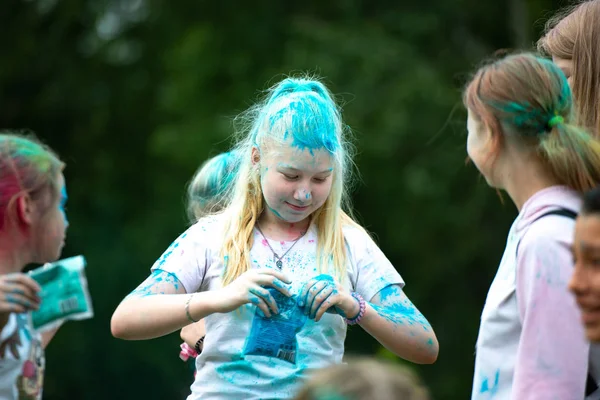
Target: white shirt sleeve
(187, 258)
(370, 270)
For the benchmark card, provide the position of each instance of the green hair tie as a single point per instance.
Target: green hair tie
(557, 119)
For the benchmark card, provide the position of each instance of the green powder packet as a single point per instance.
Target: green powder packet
(65, 294)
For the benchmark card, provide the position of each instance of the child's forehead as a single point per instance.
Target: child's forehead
(293, 157)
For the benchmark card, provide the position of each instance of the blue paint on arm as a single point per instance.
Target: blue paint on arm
(393, 305)
(159, 282)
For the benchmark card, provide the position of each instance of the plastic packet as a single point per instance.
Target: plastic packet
(65, 294)
(276, 336)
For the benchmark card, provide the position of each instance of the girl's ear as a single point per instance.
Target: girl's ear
(255, 157)
(25, 209)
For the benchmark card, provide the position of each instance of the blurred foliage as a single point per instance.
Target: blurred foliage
(135, 94)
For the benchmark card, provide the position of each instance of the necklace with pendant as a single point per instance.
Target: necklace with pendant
(278, 259)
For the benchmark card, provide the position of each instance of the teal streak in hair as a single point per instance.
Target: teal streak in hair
(566, 95)
(309, 121)
(529, 120)
(533, 120)
(293, 85)
(565, 98)
(221, 174)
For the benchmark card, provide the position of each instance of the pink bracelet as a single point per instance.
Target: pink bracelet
(362, 308)
(187, 352)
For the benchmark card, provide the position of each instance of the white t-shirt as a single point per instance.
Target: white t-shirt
(225, 370)
(531, 342)
(21, 360)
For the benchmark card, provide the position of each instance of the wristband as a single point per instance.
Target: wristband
(361, 311)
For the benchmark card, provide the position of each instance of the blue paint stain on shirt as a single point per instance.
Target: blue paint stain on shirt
(165, 256)
(485, 386)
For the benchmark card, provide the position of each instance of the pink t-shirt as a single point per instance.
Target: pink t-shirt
(531, 342)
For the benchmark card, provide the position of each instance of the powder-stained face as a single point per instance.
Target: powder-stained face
(567, 68)
(51, 227)
(295, 182)
(585, 282)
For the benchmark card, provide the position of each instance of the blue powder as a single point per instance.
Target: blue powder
(485, 384)
(63, 202)
(303, 112)
(276, 336)
(157, 277)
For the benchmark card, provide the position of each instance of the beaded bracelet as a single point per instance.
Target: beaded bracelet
(362, 308)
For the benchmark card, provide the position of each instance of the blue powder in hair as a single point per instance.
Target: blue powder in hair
(221, 174)
(63, 202)
(532, 120)
(303, 112)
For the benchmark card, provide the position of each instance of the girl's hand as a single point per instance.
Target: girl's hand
(18, 294)
(191, 333)
(324, 293)
(247, 289)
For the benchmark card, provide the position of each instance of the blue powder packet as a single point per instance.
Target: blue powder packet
(276, 336)
(65, 294)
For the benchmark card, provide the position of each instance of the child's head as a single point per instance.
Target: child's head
(571, 39)
(363, 379)
(32, 198)
(294, 162)
(521, 111)
(210, 188)
(585, 282)
(297, 151)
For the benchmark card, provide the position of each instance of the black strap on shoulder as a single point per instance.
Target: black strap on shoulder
(590, 384)
(561, 212)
